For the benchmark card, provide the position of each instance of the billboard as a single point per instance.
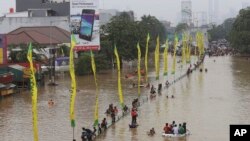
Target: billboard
(84, 24)
(3, 49)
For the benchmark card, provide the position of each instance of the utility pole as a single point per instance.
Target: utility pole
(52, 62)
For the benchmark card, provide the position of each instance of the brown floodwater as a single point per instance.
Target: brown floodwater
(208, 101)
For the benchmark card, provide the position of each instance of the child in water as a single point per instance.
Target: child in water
(151, 132)
(51, 102)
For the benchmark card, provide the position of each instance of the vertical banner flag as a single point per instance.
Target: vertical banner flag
(157, 57)
(3, 49)
(183, 54)
(195, 48)
(202, 44)
(174, 60)
(33, 92)
(187, 50)
(198, 43)
(166, 59)
(139, 69)
(189, 43)
(119, 77)
(97, 89)
(73, 81)
(146, 58)
(84, 24)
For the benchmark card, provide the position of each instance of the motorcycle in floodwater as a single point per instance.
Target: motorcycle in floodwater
(87, 136)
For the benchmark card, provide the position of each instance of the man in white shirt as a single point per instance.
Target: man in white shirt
(175, 130)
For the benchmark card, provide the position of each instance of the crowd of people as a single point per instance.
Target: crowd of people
(112, 111)
(174, 129)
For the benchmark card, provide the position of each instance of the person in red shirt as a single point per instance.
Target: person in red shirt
(167, 129)
(133, 115)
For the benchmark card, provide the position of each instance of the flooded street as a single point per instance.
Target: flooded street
(208, 101)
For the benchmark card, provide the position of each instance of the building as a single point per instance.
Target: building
(213, 10)
(52, 7)
(8, 24)
(203, 18)
(186, 12)
(106, 15)
(200, 18)
(43, 35)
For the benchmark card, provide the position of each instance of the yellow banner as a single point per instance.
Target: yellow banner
(195, 48)
(174, 60)
(139, 69)
(183, 53)
(157, 58)
(34, 93)
(166, 58)
(146, 58)
(183, 56)
(119, 77)
(1, 56)
(200, 43)
(97, 90)
(73, 81)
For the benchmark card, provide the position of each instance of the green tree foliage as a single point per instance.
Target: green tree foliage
(64, 50)
(150, 24)
(181, 27)
(18, 55)
(240, 34)
(221, 31)
(124, 32)
(83, 65)
(106, 44)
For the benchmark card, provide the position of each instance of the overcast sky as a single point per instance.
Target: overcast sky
(162, 9)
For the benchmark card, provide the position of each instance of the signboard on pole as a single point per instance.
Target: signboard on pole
(84, 24)
(3, 49)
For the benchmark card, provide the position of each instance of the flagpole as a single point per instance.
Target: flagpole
(74, 134)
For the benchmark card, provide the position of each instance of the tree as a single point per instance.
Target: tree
(240, 33)
(181, 27)
(106, 45)
(123, 32)
(19, 53)
(150, 24)
(221, 31)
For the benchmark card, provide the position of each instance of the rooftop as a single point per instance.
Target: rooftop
(44, 35)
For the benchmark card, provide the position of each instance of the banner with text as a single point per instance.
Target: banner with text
(84, 24)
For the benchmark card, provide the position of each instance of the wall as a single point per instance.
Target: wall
(18, 14)
(11, 23)
(62, 9)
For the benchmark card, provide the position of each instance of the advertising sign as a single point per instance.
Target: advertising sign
(84, 24)
(3, 49)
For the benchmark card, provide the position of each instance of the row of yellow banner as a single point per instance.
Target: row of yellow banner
(186, 53)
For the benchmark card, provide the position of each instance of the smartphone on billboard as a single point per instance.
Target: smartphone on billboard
(87, 23)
